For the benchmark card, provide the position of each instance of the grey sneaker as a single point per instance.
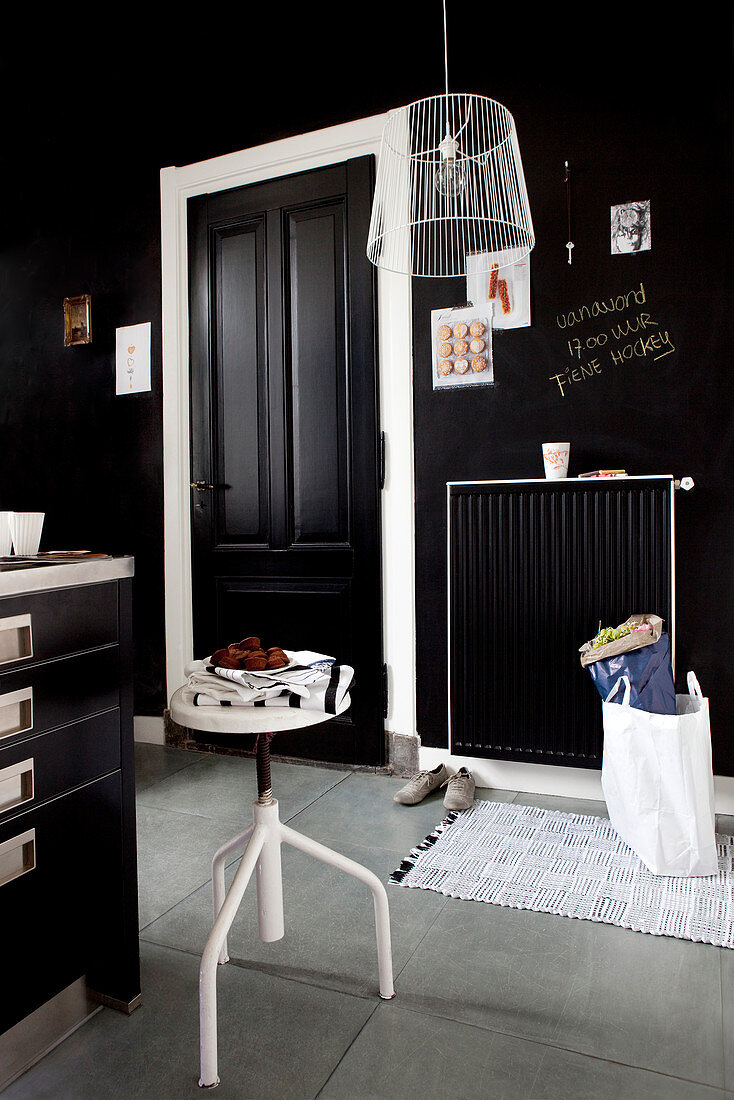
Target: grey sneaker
(459, 790)
(421, 784)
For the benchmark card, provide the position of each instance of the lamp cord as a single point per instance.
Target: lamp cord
(445, 51)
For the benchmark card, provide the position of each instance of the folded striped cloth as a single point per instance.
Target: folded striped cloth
(322, 685)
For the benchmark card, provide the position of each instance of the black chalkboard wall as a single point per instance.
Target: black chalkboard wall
(662, 405)
(90, 122)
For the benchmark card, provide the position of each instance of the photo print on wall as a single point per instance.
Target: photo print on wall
(461, 342)
(631, 227)
(505, 286)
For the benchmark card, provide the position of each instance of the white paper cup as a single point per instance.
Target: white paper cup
(25, 530)
(555, 460)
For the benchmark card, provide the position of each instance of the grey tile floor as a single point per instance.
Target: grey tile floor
(491, 1002)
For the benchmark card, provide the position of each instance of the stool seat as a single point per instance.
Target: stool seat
(245, 719)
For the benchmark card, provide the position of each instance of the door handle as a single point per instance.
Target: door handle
(16, 638)
(16, 712)
(201, 486)
(16, 784)
(17, 856)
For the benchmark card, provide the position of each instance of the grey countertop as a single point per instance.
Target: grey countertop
(18, 576)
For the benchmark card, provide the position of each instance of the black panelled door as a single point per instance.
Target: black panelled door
(285, 457)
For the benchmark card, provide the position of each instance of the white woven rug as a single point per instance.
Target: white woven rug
(569, 864)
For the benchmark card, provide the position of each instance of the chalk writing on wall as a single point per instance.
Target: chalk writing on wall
(626, 334)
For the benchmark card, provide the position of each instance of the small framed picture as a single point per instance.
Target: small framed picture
(78, 320)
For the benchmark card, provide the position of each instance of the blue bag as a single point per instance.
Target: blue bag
(650, 675)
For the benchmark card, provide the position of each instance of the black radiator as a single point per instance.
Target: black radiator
(533, 568)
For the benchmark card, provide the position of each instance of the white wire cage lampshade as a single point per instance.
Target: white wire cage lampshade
(449, 185)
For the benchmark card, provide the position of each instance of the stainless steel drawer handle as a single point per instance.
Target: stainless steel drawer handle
(16, 638)
(16, 784)
(16, 712)
(17, 856)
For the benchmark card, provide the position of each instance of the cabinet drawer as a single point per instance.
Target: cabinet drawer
(38, 768)
(33, 700)
(58, 866)
(41, 625)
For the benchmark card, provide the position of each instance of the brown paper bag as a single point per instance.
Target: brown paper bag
(636, 640)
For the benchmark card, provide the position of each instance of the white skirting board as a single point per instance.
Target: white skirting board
(149, 729)
(507, 775)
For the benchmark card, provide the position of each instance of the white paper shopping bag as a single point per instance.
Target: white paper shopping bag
(658, 783)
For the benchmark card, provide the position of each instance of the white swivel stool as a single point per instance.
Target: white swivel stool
(263, 838)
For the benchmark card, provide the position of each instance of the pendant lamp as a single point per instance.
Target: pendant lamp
(449, 184)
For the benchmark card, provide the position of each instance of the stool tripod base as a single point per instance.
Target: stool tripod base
(264, 838)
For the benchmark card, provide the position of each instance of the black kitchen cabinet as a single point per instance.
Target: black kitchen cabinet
(68, 867)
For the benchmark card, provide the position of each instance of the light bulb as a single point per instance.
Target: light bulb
(450, 177)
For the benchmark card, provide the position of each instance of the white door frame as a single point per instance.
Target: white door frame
(281, 158)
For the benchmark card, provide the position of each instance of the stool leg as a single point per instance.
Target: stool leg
(269, 875)
(218, 890)
(271, 924)
(208, 969)
(379, 897)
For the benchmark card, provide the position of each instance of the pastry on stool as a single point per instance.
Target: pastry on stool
(461, 347)
(478, 363)
(461, 366)
(476, 328)
(460, 330)
(477, 345)
(445, 367)
(444, 332)
(224, 660)
(218, 655)
(444, 350)
(255, 664)
(236, 650)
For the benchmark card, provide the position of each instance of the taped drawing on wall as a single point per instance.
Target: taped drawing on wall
(631, 227)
